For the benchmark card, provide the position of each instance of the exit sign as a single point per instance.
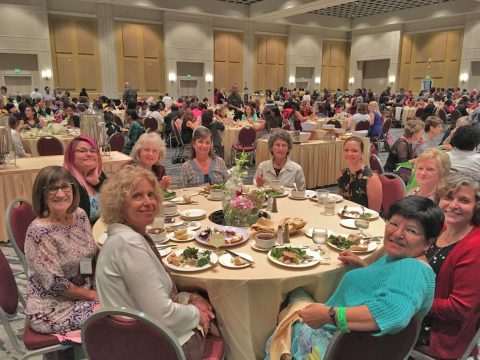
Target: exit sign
(17, 70)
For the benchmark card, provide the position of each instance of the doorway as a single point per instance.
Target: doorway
(18, 84)
(375, 75)
(188, 87)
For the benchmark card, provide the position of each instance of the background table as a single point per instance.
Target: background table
(229, 137)
(408, 113)
(247, 300)
(30, 143)
(18, 182)
(320, 160)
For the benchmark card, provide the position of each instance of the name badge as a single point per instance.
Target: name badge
(86, 266)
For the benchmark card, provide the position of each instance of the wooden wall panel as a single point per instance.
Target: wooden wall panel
(261, 50)
(272, 51)
(435, 54)
(140, 58)
(260, 80)
(228, 59)
(335, 60)
(281, 74)
(75, 59)
(270, 55)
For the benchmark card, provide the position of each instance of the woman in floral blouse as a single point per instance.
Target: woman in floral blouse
(358, 183)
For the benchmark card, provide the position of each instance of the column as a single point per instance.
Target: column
(470, 53)
(42, 43)
(248, 56)
(108, 58)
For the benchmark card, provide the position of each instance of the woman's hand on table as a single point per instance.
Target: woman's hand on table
(315, 315)
(349, 258)
(166, 182)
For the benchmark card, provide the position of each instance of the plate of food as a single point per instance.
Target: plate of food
(189, 225)
(193, 214)
(352, 242)
(354, 212)
(209, 188)
(232, 235)
(269, 192)
(181, 235)
(267, 225)
(348, 223)
(235, 262)
(293, 257)
(190, 259)
(167, 195)
(335, 197)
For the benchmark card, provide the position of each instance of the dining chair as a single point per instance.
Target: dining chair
(151, 124)
(49, 145)
(117, 120)
(338, 124)
(362, 125)
(19, 216)
(121, 333)
(393, 189)
(376, 164)
(116, 142)
(361, 345)
(245, 143)
(34, 344)
(182, 151)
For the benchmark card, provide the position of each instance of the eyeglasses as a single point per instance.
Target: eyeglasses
(410, 231)
(53, 189)
(84, 150)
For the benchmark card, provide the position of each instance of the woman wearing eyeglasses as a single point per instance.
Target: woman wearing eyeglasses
(84, 162)
(59, 297)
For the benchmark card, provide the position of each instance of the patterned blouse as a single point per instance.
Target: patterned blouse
(353, 186)
(193, 176)
(53, 254)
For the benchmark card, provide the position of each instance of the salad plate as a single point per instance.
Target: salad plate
(353, 212)
(193, 214)
(233, 236)
(335, 197)
(233, 262)
(190, 259)
(351, 242)
(184, 237)
(294, 257)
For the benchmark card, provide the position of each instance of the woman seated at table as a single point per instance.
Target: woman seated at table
(433, 128)
(204, 167)
(149, 152)
(132, 122)
(455, 259)
(71, 119)
(130, 272)
(303, 113)
(249, 114)
(17, 143)
(59, 297)
(380, 298)
(215, 127)
(375, 120)
(358, 183)
(401, 149)
(431, 167)
(83, 161)
(188, 124)
(280, 167)
(463, 156)
(361, 115)
(31, 120)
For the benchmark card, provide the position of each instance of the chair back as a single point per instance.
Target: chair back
(247, 136)
(19, 216)
(117, 120)
(151, 124)
(362, 125)
(337, 123)
(176, 132)
(419, 113)
(116, 142)
(454, 116)
(393, 189)
(8, 287)
(120, 333)
(49, 145)
(360, 345)
(386, 126)
(376, 164)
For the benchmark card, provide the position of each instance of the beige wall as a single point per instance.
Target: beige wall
(228, 59)
(75, 57)
(270, 62)
(140, 60)
(335, 60)
(434, 54)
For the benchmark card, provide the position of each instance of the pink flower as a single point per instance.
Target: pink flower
(239, 202)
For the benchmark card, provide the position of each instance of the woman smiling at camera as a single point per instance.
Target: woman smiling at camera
(380, 298)
(130, 272)
(59, 297)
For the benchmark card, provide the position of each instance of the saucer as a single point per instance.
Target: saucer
(255, 247)
(176, 213)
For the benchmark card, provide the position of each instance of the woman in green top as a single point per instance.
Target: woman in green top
(136, 129)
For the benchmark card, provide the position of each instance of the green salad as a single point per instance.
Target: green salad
(291, 255)
(341, 241)
(168, 194)
(190, 257)
(273, 193)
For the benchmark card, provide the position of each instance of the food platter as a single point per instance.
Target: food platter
(182, 266)
(312, 257)
(353, 212)
(233, 235)
(369, 245)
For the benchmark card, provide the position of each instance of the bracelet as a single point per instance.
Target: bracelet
(342, 320)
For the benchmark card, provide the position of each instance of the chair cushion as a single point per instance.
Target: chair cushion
(34, 340)
(240, 147)
(214, 348)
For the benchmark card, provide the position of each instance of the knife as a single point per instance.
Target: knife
(239, 256)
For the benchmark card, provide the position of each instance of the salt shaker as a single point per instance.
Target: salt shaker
(274, 205)
(279, 235)
(269, 203)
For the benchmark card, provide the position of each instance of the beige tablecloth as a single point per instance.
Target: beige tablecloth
(18, 182)
(229, 137)
(30, 144)
(247, 300)
(320, 160)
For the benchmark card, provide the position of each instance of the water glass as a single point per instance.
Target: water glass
(322, 196)
(319, 236)
(330, 207)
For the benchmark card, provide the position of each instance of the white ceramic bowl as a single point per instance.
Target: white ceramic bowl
(305, 136)
(309, 126)
(328, 126)
(157, 234)
(360, 133)
(339, 131)
(265, 240)
(298, 193)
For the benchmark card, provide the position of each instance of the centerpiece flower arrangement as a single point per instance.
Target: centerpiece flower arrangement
(241, 208)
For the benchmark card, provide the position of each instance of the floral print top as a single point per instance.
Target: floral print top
(353, 186)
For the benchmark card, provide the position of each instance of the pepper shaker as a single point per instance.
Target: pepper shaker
(286, 234)
(274, 205)
(279, 235)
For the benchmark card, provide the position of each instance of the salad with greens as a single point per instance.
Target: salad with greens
(291, 255)
(190, 257)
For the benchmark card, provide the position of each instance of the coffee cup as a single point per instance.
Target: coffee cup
(157, 234)
(265, 240)
(170, 209)
(299, 194)
(217, 194)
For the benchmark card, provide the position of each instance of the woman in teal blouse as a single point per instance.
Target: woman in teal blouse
(380, 298)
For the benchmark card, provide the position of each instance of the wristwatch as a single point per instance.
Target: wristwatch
(332, 313)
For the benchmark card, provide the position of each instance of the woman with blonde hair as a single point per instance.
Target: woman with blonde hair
(149, 152)
(431, 167)
(375, 120)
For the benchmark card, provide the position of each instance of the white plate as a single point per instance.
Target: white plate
(171, 236)
(180, 201)
(193, 214)
(297, 198)
(176, 213)
(209, 197)
(101, 239)
(372, 245)
(316, 259)
(188, 268)
(308, 232)
(226, 260)
(255, 247)
(194, 225)
(284, 192)
(359, 210)
(237, 230)
(165, 251)
(308, 194)
(336, 197)
(348, 223)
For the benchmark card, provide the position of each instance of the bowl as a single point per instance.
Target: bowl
(157, 234)
(265, 240)
(360, 133)
(299, 194)
(305, 136)
(217, 194)
(309, 126)
(328, 126)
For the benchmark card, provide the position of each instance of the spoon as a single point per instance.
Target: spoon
(295, 186)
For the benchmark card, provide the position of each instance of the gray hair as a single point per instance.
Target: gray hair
(149, 138)
(201, 132)
(280, 135)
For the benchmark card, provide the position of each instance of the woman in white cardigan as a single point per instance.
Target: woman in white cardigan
(129, 270)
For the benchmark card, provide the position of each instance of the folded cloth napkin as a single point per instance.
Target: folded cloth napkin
(282, 336)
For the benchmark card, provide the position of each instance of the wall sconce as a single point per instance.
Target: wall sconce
(172, 77)
(351, 81)
(209, 78)
(46, 74)
(391, 79)
(291, 79)
(317, 80)
(464, 77)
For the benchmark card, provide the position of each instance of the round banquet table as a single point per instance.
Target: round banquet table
(247, 300)
(30, 143)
